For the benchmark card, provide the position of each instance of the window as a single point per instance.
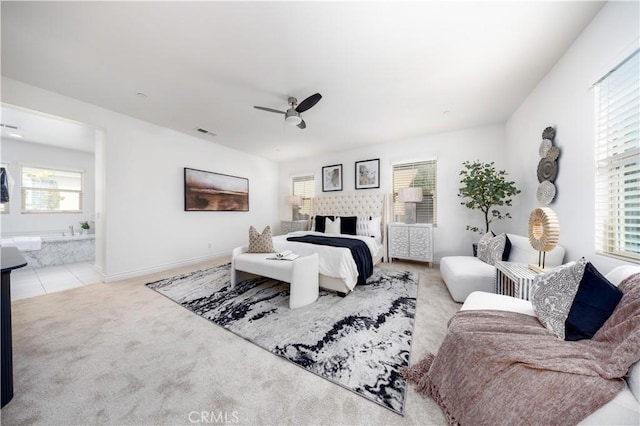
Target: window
(419, 174)
(305, 187)
(51, 191)
(617, 156)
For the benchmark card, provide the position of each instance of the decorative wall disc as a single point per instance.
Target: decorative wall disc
(544, 229)
(549, 133)
(546, 192)
(553, 153)
(547, 170)
(545, 145)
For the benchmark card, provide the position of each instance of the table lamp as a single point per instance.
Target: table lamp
(295, 201)
(410, 196)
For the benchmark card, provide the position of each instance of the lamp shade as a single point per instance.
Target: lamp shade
(295, 200)
(410, 195)
(544, 229)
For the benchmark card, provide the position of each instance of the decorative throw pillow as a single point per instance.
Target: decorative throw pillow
(362, 226)
(374, 227)
(553, 294)
(484, 253)
(594, 303)
(348, 225)
(507, 249)
(332, 227)
(260, 243)
(320, 223)
(497, 247)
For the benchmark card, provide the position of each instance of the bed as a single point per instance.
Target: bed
(338, 271)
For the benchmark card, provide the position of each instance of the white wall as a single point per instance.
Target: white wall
(564, 99)
(450, 149)
(143, 226)
(20, 153)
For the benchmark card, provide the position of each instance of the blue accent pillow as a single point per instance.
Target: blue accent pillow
(594, 303)
(507, 249)
(348, 225)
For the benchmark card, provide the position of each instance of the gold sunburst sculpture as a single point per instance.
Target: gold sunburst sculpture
(544, 233)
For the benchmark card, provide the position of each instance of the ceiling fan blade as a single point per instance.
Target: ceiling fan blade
(302, 124)
(269, 109)
(309, 102)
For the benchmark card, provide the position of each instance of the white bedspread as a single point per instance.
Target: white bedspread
(335, 262)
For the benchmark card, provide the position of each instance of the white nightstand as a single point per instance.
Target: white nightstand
(287, 226)
(411, 241)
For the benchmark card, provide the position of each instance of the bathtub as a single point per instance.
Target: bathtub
(55, 248)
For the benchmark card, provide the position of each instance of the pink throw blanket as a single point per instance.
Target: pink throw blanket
(499, 367)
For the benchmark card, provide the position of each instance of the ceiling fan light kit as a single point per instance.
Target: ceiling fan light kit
(292, 115)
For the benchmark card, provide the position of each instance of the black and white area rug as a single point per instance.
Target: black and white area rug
(359, 342)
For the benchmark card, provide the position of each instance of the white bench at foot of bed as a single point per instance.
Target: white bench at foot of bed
(301, 273)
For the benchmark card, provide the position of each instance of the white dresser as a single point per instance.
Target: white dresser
(411, 241)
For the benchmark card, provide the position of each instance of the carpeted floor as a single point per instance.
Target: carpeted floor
(359, 342)
(121, 354)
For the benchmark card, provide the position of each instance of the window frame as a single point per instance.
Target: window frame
(398, 207)
(306, 207)
(24, 188)
(617, 161)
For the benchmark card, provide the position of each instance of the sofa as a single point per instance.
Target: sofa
(624, 409)
(466, 274)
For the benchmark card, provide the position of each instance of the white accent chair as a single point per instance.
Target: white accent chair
(624, 409)
(466, 274)
(302, 273)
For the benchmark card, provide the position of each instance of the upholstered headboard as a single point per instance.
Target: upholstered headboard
(355, 204)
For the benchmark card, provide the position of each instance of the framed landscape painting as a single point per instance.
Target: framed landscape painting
(208, 191)
(368, 174)
(332, 178)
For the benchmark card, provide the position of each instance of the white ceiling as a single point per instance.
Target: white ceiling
(45, 129)
(387, 70)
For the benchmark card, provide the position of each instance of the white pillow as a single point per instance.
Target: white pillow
(374, 226)
(332, 227)
(362, 226)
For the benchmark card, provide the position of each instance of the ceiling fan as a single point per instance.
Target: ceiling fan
(292, 115)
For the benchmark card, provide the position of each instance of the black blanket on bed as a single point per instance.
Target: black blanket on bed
(359, 251)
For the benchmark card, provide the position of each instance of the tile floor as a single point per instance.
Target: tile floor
(27, 283)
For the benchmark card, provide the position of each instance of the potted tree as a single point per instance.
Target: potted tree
(486, 189)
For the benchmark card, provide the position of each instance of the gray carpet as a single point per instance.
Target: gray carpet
(359, 342)
(120, 354)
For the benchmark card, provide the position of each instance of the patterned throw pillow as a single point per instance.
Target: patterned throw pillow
(260, 243)
(553, 292)
(497, 248)
(484, 252)
(362, 226)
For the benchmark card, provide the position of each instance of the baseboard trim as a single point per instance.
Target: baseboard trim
(163, 267)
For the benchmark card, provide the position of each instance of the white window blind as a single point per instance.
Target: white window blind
(51, 191)
(617, 209)
(305, 186)
(419, 174)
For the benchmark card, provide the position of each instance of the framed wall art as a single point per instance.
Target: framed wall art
(332, 178)
(368, 174)
(209, 191)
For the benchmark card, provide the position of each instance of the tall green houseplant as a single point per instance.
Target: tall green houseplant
(484, 188)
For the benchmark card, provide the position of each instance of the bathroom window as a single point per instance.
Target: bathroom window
(51, 191)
